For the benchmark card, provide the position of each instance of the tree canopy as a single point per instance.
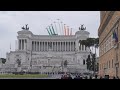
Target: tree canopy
(3, 60)
(90, 42)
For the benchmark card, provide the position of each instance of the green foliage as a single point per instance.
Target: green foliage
(89, 42)
(23, 76)
(3, 60)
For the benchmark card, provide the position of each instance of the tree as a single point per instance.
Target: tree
(93, 62)
(91, 42)
(3, 60)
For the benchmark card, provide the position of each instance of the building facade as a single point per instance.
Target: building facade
(47, 53)
(109, 51)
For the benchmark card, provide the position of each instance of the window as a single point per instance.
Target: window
(109, 64)
(112, 63)
(83, 62)
(111, 41)
(100, 66)
(102, 49)
(107, 45)
(106, 64)
(32, 45)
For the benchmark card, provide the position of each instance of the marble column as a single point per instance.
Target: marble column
(55, 46)
(36, 46)
(74, 47)
(84, 47)
(52, 45)
(60, 46)
(47, 46)
(70, 46)
(21, 44)
(81, 47)
(40, 45)
(65, 46)
(24, 44)
(43, 46)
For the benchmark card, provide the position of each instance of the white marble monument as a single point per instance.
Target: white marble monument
(45, 53)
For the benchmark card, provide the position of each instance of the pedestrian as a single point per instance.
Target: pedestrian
(114, 77)
(86, 77)
(69, 76)
(62, 77)
(76, 77)
(81, 77)
(90, 77)
(117, 77)
(96, 76)
(101, 77)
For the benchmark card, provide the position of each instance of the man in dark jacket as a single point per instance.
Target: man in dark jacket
(69, 76)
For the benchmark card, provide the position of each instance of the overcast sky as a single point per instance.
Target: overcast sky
(12, 21)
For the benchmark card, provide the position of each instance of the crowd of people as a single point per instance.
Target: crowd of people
(68, 76)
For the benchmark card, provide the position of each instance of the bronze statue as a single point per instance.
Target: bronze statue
(82, 28)
(65, 63)
(18, 62)
(25, 28)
